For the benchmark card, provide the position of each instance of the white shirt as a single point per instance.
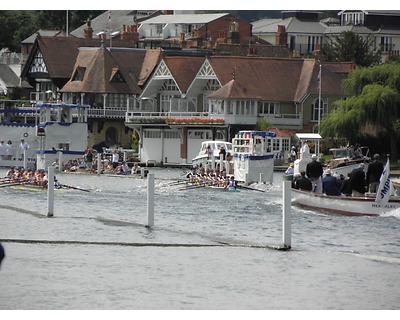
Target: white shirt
(115, 157)
(24, 145)
(9, 149)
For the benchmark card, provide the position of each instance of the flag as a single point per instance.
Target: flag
(383, 193)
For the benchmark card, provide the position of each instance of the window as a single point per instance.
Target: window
(159, 29)
(166, 102)
(354, 18)
(38, 64)
(171, 134)
(79, 74)
(117, 77)
(313, 41)
(151, 134)
(269, 108)
(211, 85)
(386, 44)
(201, 135)
(315, 109)
(169, 85)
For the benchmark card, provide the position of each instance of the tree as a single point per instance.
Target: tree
(18, 25)
(374, 101)
(349, 46)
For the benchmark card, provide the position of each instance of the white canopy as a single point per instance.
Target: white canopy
(308, 136)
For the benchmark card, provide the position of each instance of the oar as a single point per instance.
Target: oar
(195, 186)
(248, 188)
(76, 188)
(13, 182)
(174, 183)
(10, 184)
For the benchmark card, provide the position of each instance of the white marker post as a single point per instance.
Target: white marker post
(98, 163)
(25, 160)
(50, 192)
(286, 221)
(60, 156)
(150, 200)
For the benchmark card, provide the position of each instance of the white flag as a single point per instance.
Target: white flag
(383, 194)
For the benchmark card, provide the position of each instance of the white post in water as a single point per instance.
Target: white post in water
(25, 160)
(50, 191)
(261, 177)
(286, 222)
(60, 156)
(150, 200)
(98, 163)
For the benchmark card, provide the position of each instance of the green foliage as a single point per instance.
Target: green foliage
(349, 46)
(263, 124)
(374, 101)
(17, 26)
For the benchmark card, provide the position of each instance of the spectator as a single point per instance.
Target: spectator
(302, 182)
(357, 181)
(9, 150)
(314, 171)
(374, 172)
(330, 184)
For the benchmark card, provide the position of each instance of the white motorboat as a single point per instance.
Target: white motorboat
(248, 157)
(359, 206)
(210, 151)
(343, 161)
(252, 156)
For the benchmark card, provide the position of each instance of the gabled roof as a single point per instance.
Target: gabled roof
(275, 79)
(183, 69)
(60, 53)
(151, 60)
(104, 72)
(185, 18)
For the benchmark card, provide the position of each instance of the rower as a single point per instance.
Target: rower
(232, 183)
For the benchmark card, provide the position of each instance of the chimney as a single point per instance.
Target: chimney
(88, 31)
(281, 36)
(129, 33)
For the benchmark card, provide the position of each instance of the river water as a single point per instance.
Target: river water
(208, 250)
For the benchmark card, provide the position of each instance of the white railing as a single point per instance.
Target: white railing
(284, 119)
(104, 113)
(164, 115)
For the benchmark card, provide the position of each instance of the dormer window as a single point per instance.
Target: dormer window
(79, 74)
(116, 76)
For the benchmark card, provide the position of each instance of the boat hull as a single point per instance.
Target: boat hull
(352, 206)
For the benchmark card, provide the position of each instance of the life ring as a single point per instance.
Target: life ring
(26, 135)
